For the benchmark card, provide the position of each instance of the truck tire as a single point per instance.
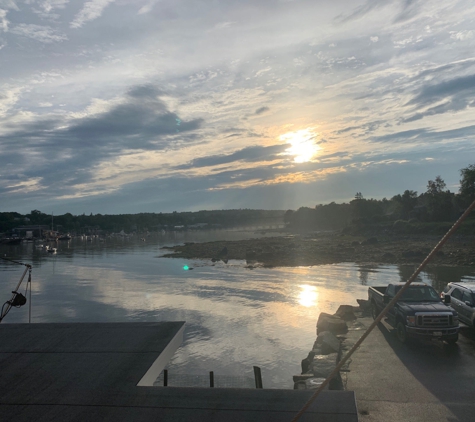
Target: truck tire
(374, 310)
(453, 339)
(401, 332)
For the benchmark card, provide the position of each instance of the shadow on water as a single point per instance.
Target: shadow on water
(446, 371)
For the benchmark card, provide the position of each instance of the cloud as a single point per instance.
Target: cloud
(45, 8)
(3, 20)
(44, 34)
(462, 35)
(249, 154)
(147, 7)
(261, 110)
(455, 94)
(361, 11)
(425, 134)
(409, 11)
(90, 11)
(74, 147)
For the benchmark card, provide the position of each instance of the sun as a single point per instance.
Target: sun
(302, 144)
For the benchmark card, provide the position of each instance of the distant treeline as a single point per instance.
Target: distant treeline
(406, 212)
(402, 213)
(80, 224)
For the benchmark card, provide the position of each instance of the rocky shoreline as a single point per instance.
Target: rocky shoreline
(336, 334)
(331, 248)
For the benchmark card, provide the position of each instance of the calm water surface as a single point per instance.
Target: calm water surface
(235, 317)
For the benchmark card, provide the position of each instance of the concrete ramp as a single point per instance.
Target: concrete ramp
(91, 372)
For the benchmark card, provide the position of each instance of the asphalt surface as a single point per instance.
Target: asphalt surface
(430, 381)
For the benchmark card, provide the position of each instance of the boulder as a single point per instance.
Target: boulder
(327, 343)
(323, 365)
(302, 377)
(370, 241)
(314, 383)
(345, 312)
(307, 361)
(332, 323)
(364, 304)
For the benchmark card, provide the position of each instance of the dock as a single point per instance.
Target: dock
(105, 372)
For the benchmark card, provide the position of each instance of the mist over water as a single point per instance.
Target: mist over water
(235, 317)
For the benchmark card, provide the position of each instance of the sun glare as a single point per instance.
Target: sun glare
(308, 295)
(302, 144)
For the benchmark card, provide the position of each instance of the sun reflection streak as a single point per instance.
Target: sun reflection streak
(308, 295)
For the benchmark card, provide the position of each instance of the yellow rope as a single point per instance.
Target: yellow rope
(384, 312)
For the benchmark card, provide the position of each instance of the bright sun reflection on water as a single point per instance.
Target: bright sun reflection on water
(308, 295)
(302, 144)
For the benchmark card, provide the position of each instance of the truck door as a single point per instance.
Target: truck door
(456, 303)
(466, 310)
(391, 315)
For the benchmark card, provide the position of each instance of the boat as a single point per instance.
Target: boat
(11, 241)
(65, 237)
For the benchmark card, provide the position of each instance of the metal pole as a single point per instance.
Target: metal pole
(258, 376)
(211, 379)
(29, 307)
(165, 377)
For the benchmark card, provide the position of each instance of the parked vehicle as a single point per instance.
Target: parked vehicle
(419, 313)
(462, 297)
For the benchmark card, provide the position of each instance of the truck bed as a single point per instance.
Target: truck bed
(379, 289)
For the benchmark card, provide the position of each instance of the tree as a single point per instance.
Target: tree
(407, 201)
(467, 183)
(438, 200)
(436, 186)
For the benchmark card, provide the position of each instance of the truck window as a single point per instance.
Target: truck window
(457, 294)
(420, 293)
(391, 291)
(467, 297)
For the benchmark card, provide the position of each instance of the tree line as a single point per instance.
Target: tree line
(81, 224)
(437, 204)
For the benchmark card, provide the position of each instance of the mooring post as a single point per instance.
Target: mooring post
(165, 377)
(258, 376)
(211, 379)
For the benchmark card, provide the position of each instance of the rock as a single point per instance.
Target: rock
(328, 343)
(345, 312)
(323, 365)
(412, 254)
(302, 377)
(314, 383)
(335, 324)
(305, 364)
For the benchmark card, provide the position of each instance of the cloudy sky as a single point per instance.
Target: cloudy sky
(127, 106)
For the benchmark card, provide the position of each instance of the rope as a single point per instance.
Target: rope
(384, 311)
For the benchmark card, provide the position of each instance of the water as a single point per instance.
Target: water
(235, 317)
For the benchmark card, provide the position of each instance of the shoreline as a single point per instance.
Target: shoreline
(331, 248)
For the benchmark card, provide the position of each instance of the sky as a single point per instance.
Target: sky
(129, 106)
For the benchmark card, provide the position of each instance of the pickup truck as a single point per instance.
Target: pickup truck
(419, 313)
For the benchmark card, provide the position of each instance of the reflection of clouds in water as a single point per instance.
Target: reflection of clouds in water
(236, 318)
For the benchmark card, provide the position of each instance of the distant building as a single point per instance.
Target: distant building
(31, 231)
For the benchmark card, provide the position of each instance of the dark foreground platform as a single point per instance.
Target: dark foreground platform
(101, 372)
